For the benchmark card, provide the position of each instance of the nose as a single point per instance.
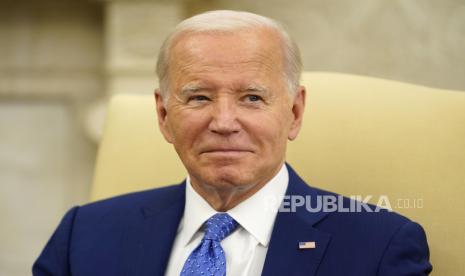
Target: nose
(224, 119)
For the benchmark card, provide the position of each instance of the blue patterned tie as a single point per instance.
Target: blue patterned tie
(208, 258)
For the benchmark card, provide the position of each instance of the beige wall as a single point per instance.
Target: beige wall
(58, 58)
(410, 40)
(51, 55)
(45, 168)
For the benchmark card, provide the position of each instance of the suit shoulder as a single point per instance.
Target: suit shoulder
(131, 202)
(343, 211)
(356, 211)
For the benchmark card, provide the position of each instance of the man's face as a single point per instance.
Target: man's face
(229, 113)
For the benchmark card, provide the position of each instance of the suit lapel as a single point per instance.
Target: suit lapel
(150, 239)
(284, 256)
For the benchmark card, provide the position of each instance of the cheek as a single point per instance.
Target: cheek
(187, 128)
(270, 130)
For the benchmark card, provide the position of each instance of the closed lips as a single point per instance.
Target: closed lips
(225, 150)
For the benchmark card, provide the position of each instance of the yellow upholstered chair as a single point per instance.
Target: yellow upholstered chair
(361, 136)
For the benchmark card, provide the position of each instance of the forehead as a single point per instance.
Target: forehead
(232, 51)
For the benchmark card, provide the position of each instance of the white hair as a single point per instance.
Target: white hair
(230, 21)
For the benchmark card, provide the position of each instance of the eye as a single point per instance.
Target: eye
(254, 98)
(199, 98)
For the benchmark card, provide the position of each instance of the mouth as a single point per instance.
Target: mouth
(226, 152)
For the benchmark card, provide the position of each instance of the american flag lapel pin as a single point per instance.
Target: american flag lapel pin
(307, 245)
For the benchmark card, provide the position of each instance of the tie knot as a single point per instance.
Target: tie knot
(219, 226)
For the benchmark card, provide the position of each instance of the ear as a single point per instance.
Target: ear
(162, 113)
(298, 108)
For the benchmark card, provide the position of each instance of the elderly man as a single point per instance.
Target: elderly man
(229, 100)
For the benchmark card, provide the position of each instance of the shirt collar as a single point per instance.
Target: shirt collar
(256, 214)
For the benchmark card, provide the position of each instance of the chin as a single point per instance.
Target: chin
(228, 176)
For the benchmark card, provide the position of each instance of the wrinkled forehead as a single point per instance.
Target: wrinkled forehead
(228, 46)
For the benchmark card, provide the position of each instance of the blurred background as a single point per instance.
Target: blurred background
(60, 60)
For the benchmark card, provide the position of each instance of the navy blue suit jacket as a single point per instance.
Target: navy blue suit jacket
(133, 235)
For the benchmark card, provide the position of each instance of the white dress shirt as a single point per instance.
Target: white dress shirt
(246, 247)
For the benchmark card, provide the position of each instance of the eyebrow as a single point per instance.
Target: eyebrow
(191, 88)
(257, 88)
